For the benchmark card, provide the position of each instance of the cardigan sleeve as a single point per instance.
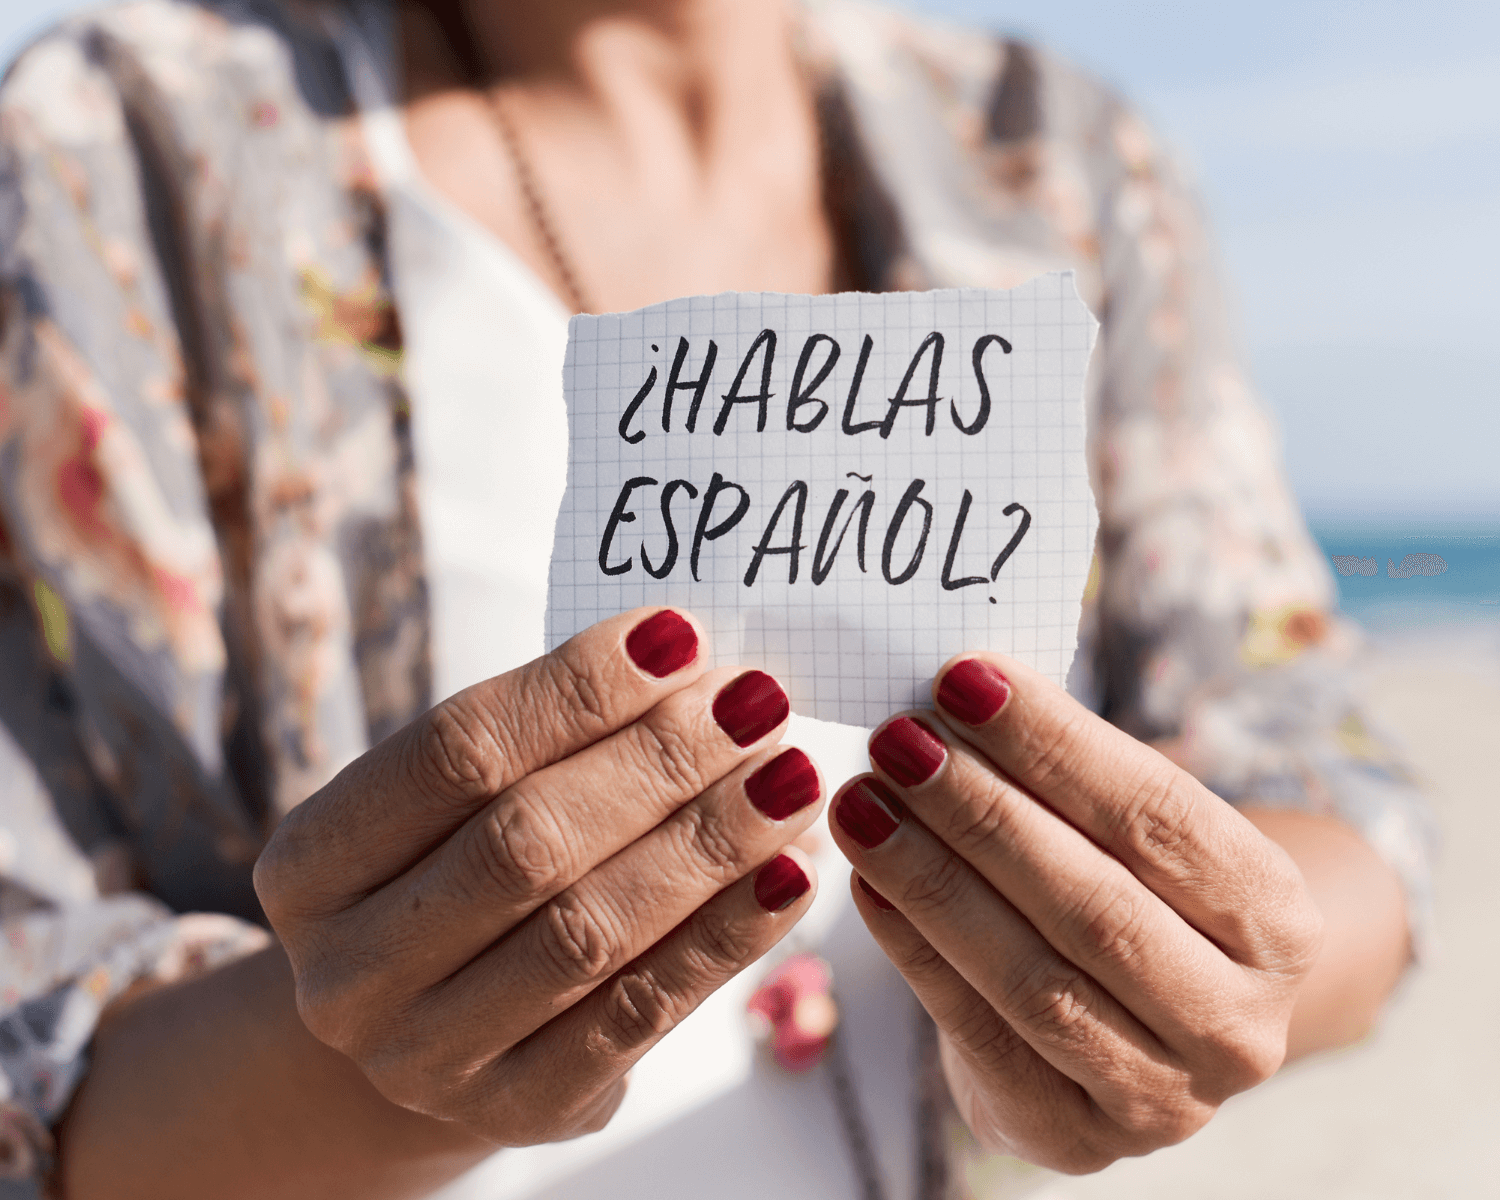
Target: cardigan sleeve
(1215, 620)
(110, 596)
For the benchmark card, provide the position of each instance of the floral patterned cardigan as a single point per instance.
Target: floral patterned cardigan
(211, 575)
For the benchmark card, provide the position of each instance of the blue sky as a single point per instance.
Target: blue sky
(1349, 152)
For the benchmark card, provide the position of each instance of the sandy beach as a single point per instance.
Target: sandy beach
(1413, 1112)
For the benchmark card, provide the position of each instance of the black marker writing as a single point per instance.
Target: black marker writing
(765, 345)
(782, 534)
(620, 516)
(798, 492)
(934, 342)
(799, 398)
(981, 418)
(717, 487)
(666, 515)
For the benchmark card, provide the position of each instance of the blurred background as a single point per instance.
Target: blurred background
(1348, 152)
(1349, 155)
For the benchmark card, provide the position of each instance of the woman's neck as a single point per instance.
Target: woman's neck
(544, 40)
(673, 142)
(699, 57)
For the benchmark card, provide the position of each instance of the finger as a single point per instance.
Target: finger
(1187, 845)
(1063, 1014)
(582, 1053)
(1090, 909)
(583, 936)
(1027, 1107)
(393, 804)
(548, 830)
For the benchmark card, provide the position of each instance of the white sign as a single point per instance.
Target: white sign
(846, 490)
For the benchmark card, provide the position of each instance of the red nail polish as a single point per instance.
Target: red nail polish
(973, 691)
(787, 783)
(780, 882)
(662, 643)
(750, 707)
(868, 812)
(907, 751)
(876, 898)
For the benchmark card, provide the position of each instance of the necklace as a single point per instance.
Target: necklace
(781, 1004)
(536, 210)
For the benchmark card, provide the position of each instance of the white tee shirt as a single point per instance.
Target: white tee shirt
(705, 1115)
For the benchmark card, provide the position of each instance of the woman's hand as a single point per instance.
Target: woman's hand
(1109, 950)
(498, 910)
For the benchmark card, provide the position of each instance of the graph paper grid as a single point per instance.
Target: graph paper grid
(856, 647)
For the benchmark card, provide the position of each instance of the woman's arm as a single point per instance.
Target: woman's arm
(214, 1087)
(1366, 943)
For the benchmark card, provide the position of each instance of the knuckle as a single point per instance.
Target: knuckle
(983, 819)
(1283, 934)
(293, 854)
(1155, 823)
(1113, 925)
(638, 1009)
(579, 944)
(1047, 758)
(937, 886)
(332, 1013)
(409, 1081)
(1086, 1154)
(603, 1110)
(1241, 1058)
(1163, 1121)
(919, 959)
(516, 1115)
(575, 680)
(984, 1037)
(669, 756)
(457, 755)
(345, 1000)
(1052, 998)
(1302, 933)
(721, 948)
(269, 876)
(705, 839)
(1101, 1140)
(512, 852)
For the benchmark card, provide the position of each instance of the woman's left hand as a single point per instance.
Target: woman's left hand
(1109, 949)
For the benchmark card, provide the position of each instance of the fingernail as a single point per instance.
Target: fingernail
(750, 707)
(662, 643)
(907, 751)
(787, 783)
(973, 691)
(780, 882)
(868, 812)
(876, 898)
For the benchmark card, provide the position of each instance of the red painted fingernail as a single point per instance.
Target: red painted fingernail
(787, 783)
(868, 812)
(973, 691)
(750, 707)
(780, 882)
(876, 898)
(662, 643)
(907, 751)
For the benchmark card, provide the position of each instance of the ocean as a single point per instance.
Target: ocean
(1411, 578)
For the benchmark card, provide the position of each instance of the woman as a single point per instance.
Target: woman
(276, 280)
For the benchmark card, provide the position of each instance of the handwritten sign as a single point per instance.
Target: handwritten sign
(846, 489)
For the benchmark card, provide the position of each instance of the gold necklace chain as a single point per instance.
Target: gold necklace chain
(536, 210)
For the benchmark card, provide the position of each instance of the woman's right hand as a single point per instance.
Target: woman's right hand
(499, 909)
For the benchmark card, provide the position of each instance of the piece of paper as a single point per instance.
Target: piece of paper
(847, 490)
